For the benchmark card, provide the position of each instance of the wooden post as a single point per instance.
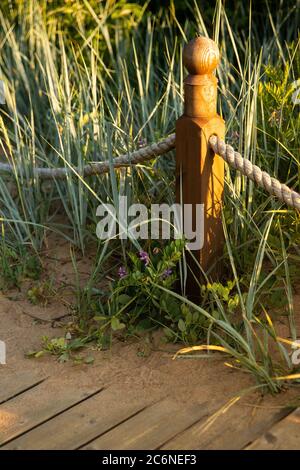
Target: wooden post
(199, 172)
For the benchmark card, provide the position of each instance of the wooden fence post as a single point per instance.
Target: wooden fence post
(199, 172)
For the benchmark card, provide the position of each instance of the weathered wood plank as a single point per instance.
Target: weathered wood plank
(82, 423)
(285, 435)
(232, 430)
(15, 384)
(150, 428)
(39, 404)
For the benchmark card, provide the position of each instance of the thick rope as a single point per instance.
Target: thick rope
(261, 178)
(97, 168)
(233, 158)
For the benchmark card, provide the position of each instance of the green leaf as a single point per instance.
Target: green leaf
(181, 325)
(39, 354)
(124, 299)
(31, 354)
(116, 324)
(89, 360)
(64, 357)
(100, 317)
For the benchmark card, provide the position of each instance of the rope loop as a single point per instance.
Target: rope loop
(261, 178)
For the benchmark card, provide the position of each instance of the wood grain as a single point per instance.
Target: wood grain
(79, 425)
(200, 173)
(285, 435)
(40, 404)
(152, 427)
(232, 430)
(15, 384)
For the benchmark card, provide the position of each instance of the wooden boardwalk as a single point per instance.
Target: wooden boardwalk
(37, 413)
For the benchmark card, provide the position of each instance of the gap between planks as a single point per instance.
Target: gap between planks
(81, 423)
(39, 404)
(15, 385)
(284, 435)
(37, 414)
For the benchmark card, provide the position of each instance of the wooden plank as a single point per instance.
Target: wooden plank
(232, 430)
(150, 428)
(39, 404)
(285, 435)
(82, 423)
(15, 384)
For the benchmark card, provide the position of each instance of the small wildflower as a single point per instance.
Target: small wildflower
(167, 273)
(144, 257)
(122, 272)
(275, 117)
(142, 143)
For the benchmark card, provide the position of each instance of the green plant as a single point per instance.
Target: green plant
(247, 338)
(16, 265)
(64, 349)
(135, 303)
(41, 293)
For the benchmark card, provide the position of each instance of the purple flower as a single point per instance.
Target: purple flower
(167, 273)
(122, 272)
(144, 257)
(142, 142)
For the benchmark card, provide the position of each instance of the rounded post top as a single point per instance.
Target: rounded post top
(201, 56)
